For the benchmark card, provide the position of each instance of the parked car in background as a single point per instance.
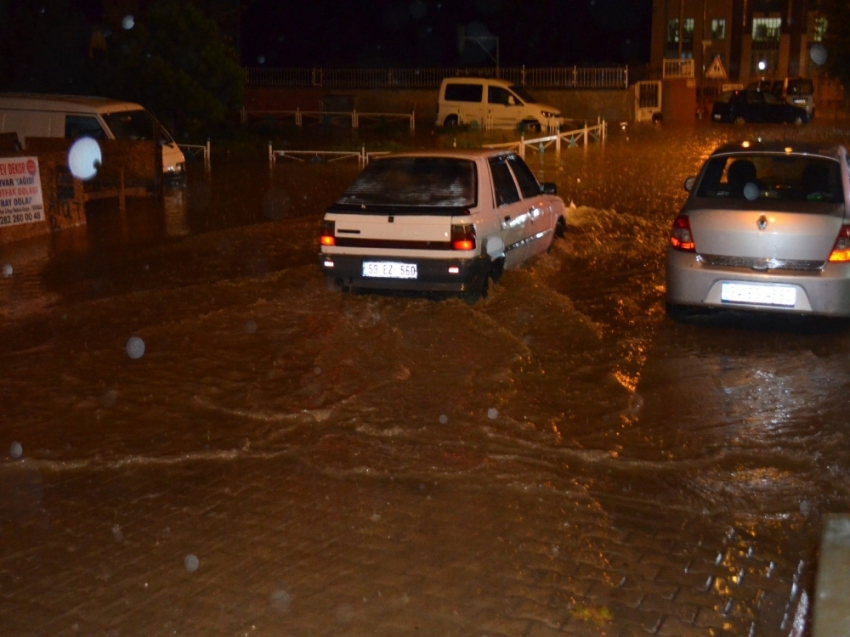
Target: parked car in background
(797, 91)
(74, 116)
(492, 103)
(442, 221)
(751, 105)
(766, 227)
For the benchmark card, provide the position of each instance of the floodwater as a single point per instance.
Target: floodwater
(558, 458)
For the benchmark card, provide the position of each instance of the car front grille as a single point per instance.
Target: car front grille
(760, 264)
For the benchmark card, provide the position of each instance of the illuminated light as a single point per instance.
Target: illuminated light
(762, 65)
(463, 237)
(329, 264)
(327, 237)
(681, 237)
(745, 144)
(453, 269)
(841, 249)
(788, 149)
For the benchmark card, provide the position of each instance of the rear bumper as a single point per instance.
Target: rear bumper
(433, 275)
(823, 292)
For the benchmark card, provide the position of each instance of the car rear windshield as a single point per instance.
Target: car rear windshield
(771, 176)
(414, 181)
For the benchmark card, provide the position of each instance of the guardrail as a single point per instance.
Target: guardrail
(572, 138)
(299, 116)
(361, 155)
(197, 149)
(573, 77)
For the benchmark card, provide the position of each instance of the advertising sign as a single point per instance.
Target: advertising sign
(20, 191)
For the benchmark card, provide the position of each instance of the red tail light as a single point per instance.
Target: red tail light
(681, 237)
(328, 230)
(463, 237)
(841, 249)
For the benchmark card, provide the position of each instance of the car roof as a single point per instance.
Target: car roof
(452, 153)
(72, 103)
(748, 147)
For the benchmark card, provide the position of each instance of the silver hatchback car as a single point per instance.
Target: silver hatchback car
(766, 227)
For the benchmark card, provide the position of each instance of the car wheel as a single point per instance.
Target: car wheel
(451, 121)
(532, 126)
(798, 121)
(739, 120)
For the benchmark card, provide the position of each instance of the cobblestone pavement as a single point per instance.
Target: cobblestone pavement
(284, 549)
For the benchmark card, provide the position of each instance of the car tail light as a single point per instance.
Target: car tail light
(681, 237)
(841, 249)
(328, 230)
(463, 237)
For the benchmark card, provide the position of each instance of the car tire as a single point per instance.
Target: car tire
(451, 121)
(798, 121)
(739, 120)
(532, 126)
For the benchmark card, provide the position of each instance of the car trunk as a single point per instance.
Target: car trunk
(393, 232)
(766, 234)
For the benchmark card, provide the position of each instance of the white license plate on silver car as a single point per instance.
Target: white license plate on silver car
(389, 270)
(758, 294)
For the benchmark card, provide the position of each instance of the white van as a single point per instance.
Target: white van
(73, 116)
(492, 103)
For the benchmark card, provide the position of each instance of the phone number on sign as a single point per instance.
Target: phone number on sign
(13, 218)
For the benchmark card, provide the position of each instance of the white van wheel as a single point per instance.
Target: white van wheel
(451, 121)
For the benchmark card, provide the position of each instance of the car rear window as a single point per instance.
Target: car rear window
(414, 181)
(772, 176)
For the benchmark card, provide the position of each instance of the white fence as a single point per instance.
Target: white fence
(678, 68)
(361, 155)
(572, 138)
(558, 77)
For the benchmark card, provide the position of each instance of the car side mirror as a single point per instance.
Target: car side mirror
(549, 188)
(689, 183)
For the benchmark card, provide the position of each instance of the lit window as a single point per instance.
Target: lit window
(718, 29)
(766, 29)
(819, 30)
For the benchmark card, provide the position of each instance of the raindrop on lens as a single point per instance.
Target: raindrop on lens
(16, 450)
(7, 270)
(444, 419)
(806, 507)
(492, 413)
(818, 54)
(135, 347)
(280, 600)
(261, 59)
(250, 326)
(751, 191)
(191, 563)
(84, 158)
(128, 22)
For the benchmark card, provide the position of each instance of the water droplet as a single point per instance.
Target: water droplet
(117, 534)
(806, 507)
(444, 419)
(492, 413)
(191, 563)
(135, 347)
(317, 371)
(128, 22)
(84, 158)
(280, 600)
(16, 450)
(7, 270)
(818, 54)
(250, 326)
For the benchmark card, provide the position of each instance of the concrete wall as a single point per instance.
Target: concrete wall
(610, 104)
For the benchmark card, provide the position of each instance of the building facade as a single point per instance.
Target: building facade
(752, 39)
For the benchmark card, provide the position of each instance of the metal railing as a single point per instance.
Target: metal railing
(679, 68)
(299, 117)
(557, 77)
(572, 138)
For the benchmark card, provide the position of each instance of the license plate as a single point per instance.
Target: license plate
(389, 270)
(758, 294)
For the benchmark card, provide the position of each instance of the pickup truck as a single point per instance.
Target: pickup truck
(438, 221)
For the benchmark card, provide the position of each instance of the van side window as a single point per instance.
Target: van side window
(464, 92)
(503, 182)
(525, 178)
(77, 126)
(499, 95)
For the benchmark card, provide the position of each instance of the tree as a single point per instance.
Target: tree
(836, 41)
(179, 64)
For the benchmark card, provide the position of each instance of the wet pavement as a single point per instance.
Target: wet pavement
(557, 459)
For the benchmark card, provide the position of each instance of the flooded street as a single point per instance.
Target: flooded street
(559, 458)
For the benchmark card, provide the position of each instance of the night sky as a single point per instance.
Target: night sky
(424, 33)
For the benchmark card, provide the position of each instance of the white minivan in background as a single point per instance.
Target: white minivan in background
(492, 103)
(74, 116)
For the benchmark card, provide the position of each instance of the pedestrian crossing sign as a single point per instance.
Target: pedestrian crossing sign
(715, 70)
